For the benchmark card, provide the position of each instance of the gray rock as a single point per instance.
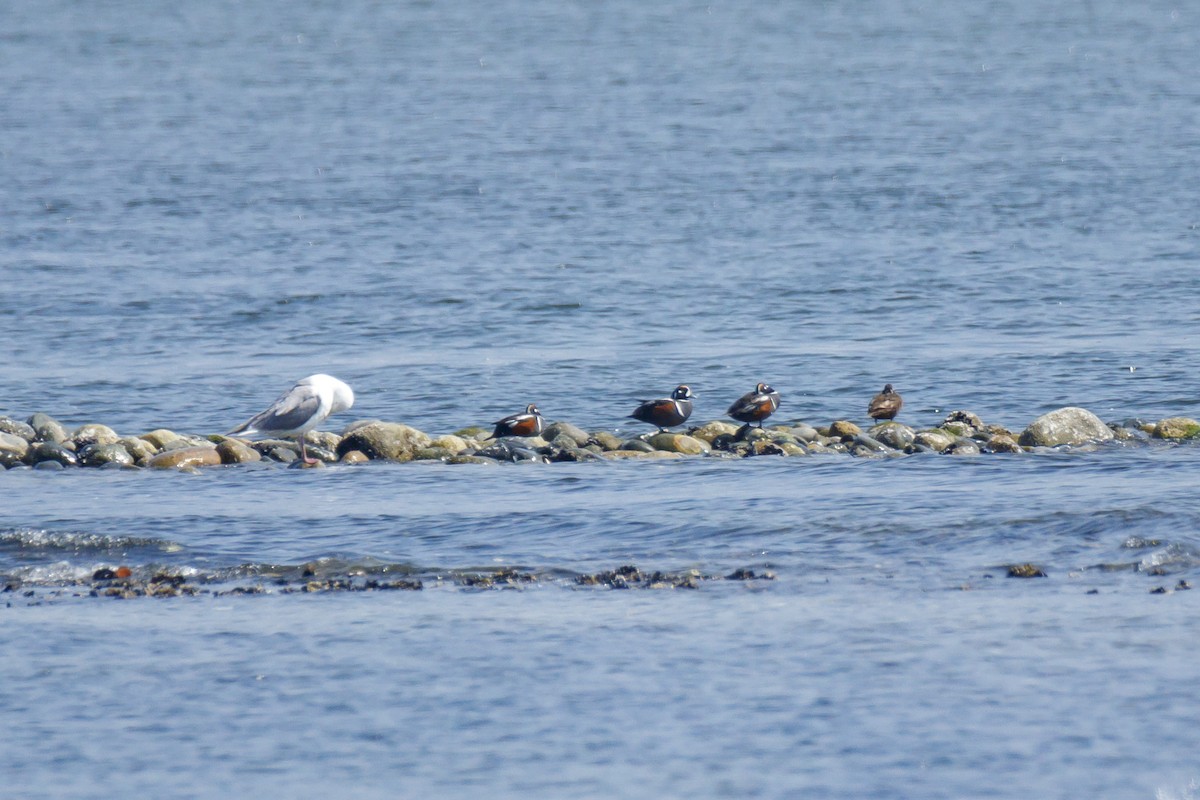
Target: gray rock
(555, 429)
(388, 440)
(893, 434)
(99, 455)
(936, 440)
(509, 449)
(47, 428)
(607, 440)
(49, 464)
(1003, 443)
(863, 441)
(18, 446)
(711, 430)
(141, 450)
(450, 442)
(52, 451)
(93, 434)
(805, 433)
(18, 428)
(465, 459)
(637, 446)
(964, 446)
(1068, 426)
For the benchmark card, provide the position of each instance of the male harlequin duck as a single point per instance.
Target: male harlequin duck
(527, 423)
(666, 411)
(755, 406)
(885, 405)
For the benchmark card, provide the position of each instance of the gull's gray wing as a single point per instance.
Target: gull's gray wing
(290, 412)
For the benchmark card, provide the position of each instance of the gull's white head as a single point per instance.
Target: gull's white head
(341, 396)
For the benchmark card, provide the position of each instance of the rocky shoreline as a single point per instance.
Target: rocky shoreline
(41, 442)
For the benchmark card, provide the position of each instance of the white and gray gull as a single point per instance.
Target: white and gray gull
(300, 409)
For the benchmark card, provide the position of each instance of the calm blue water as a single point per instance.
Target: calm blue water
(463, 208)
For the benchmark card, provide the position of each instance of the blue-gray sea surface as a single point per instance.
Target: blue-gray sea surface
(462, 208)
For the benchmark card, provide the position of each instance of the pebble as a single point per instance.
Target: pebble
(450, 443)
(895, 435)
(160, 438)
(141, 450)
(555, 429)
(47, 428)
(607, 440)
(844, 430)
(1003, 443)
(99, 455)
(963, 447)
(14, 445)
(18, 428)
(52, 451)
(93, 434)
(679, 443)
(961, 433)
(185, 457)
(231, 451)
(389, 440)
(712, 430)
(936, 440)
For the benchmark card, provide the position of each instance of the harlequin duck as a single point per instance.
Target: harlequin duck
(755, 406)
(666, 411)
(885, 405)
(527, 423)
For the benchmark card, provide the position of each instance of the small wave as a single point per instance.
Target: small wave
(37, 539)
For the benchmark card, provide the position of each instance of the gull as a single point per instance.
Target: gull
(300, 409)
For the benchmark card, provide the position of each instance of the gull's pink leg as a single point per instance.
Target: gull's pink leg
(303, 454)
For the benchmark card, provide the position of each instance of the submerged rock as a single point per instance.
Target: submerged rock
(1068, 426)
